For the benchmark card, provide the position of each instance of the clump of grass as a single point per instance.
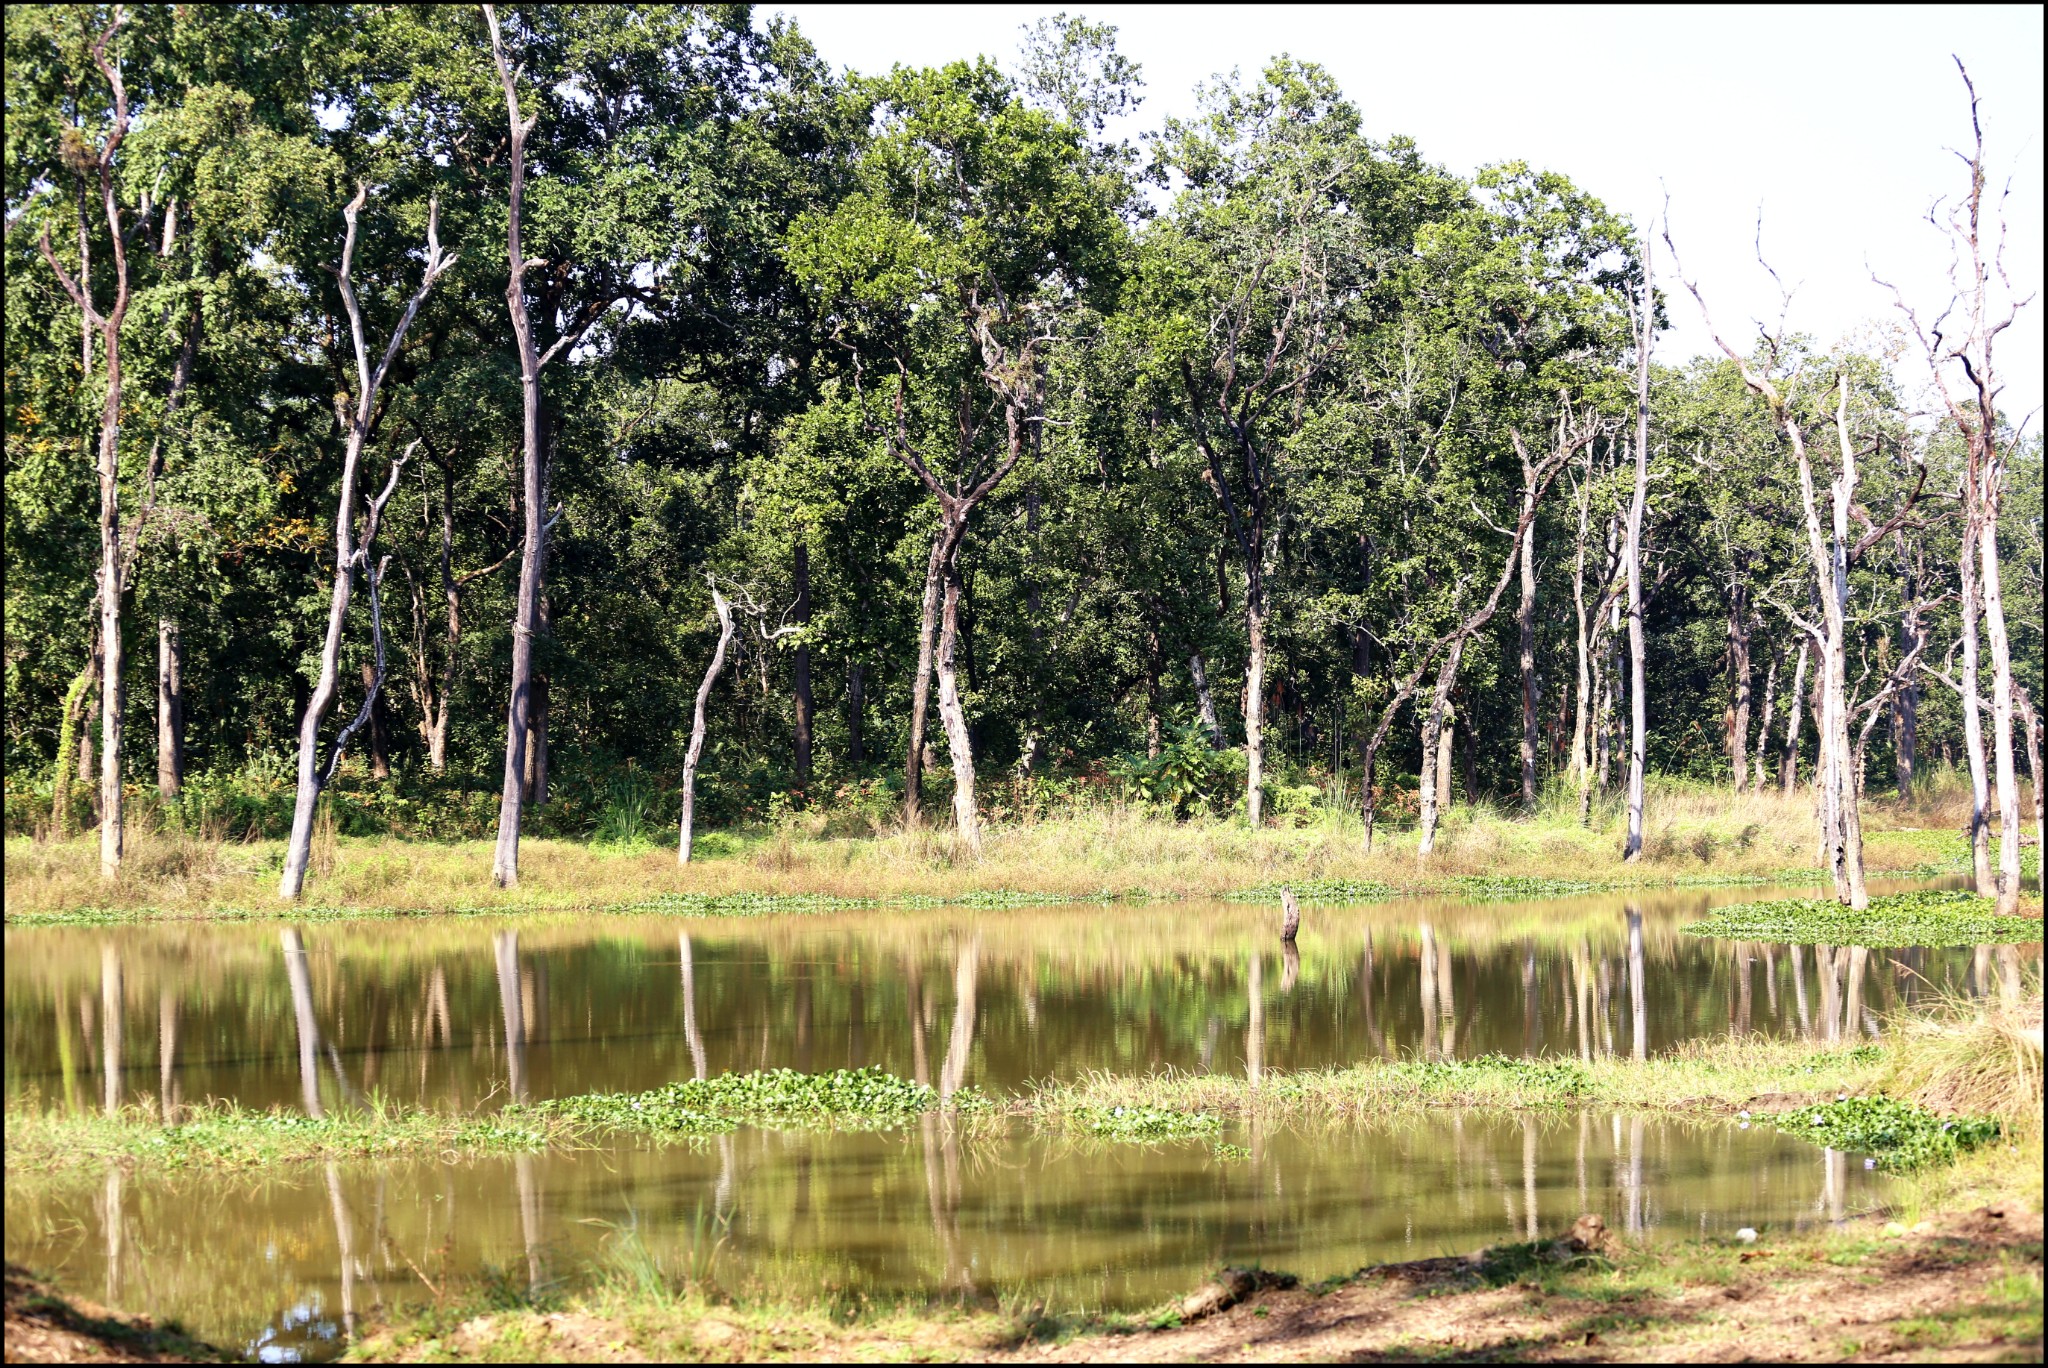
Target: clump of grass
(1927, 917)
(222, 1135)
(1979, 1057)
(1898, 1135)
(842, 1099)
(1332, 891)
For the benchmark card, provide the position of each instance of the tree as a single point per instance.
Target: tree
(1972, 405)
(351, 556)
(977, 231)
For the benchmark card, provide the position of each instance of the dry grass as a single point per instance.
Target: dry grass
(1975, 1056)
(1690, 832)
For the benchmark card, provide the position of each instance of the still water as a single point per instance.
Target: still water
(468, 1013)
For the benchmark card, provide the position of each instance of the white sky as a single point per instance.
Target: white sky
(1834, 121)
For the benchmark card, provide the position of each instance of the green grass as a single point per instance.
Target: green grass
(1142, 1125)
(1926, 917)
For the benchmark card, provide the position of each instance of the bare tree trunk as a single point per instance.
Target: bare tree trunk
(697, 727)
(349, 556)
(1788, 762)
(518, 713)
(2010, 821)
(112, 576)
(1205, 702)
(1581, 759)
(921, 683)
(170, 710)
(1525, 630)
(1736, 717)
(1632, 556)
(800, 668)
(2030, 727)
(953, 716)
(1973, 721)
(1255, 709)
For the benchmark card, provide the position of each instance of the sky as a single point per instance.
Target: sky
(1835, 123)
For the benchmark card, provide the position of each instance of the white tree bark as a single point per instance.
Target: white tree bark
(1632, 556)
(687, 833)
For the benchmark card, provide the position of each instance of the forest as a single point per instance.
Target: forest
(582, 419)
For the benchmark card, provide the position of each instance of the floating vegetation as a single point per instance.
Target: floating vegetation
(1321, 891)
(1928, 917)
(1899, 1136)
(1227, 1153)
(844, 1099)
(1143, 1125)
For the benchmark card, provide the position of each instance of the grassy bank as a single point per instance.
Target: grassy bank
(1102, 852)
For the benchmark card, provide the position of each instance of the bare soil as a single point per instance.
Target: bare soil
(43, 1327)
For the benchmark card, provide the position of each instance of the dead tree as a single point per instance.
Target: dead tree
(1831, 551)
(352, 557)
(1973, 408)
(1632, 565)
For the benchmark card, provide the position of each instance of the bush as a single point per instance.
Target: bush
(1187, 776)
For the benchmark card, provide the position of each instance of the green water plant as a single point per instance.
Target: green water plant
(1897, 1136)
(843, 1099)
(1144, 1125)
(1925, 917)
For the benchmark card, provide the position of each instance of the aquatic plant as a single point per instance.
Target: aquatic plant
(1927, 917)
(1898, 1135)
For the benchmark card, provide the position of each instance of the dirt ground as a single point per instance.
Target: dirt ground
(43, 1327)
(1962, 1288)
(1921, 1298)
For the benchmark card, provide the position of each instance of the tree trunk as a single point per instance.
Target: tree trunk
(687, 834)
(1736, 716)
(1973, 719)
(518, 712)
(1841, 821)
(1788, 762)
(536, 794)
(348, 555)
(1763, 730)
(2030, 726)
(1255, 709)
(2010, 822)
(170, 710)
(953, 716)
(1205, 702)
(1525, 631)
(921, 682)
(1632, 556)
(800, 669)
(380, 739)
(1582, 698)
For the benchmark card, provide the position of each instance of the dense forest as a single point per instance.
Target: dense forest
(580, 418)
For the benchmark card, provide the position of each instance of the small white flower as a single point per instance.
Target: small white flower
(1819, 1121)
(1747, 1235)
(1870, 1163)
(1742, 1115)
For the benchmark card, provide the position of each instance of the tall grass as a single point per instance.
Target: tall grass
(1102, 846)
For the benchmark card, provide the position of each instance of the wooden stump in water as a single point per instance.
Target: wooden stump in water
(1290, 915)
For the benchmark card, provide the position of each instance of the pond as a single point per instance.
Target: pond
(461, 1013)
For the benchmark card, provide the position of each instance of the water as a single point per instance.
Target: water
(467, 1013)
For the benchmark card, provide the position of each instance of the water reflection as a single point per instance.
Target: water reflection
(456, 1014)
(303, 1257)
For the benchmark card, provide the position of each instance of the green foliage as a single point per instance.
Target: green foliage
(1937, 918)
(1189, 775)
(1898, 1135)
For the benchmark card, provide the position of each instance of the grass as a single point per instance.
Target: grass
(1101, 853)
(1923, 917)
